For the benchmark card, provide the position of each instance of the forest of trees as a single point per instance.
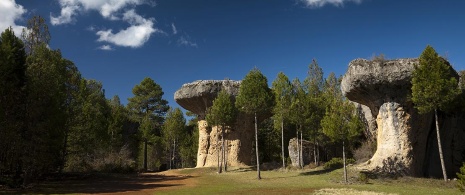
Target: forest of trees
(52, 120)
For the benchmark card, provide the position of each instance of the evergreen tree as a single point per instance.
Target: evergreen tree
(222, 114)
(12, 103)
(340, 122)
(433, 88)
(255, 98)
(174, 129)
(148, 102)
(282, 89)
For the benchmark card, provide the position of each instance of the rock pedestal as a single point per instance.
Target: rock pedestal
(197, 97)
(405, 143)
(307, 152)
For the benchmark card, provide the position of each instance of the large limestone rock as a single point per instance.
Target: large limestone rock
(405, 139)
(197, 97)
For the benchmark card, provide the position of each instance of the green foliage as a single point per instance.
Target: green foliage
(337, 163)
(174, 131)
(254, 95)
(282, 90)
(222, 113)
(461, 178)
(433, 86)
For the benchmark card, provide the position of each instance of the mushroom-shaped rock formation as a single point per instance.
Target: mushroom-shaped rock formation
(405, 139)
(197, 97)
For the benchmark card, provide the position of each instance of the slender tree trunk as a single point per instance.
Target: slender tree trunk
(256, 147)
(298, 148)
(344, 161)
(318, 154)
(314, 150)
(282, 144)
(223, 149)
(440, 146)
(218, 149)
(301, 151)
(174, 153)
(145, 155)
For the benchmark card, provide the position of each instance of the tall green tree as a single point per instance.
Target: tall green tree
(314, 85)
(340, 122)
(173, 130)
(222, 114)
(299, 115)
(433, 88)
(282, 89)
(254, 98)
(12, 102)
(148, 102)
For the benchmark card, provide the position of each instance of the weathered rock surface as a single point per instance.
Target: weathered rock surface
(307, 152)
(405, 139)
(197, 97)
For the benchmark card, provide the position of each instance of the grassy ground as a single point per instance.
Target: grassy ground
(317, 181)
(238, 181)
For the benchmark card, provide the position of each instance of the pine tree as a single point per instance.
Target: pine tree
(222, 114)
(282, 89)
(173, 129)
(148, 102)
(433, 88)
(340, 122)
(255, 98)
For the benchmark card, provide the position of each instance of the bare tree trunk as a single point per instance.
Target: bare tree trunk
(256, 147)
(218, 149)
(314, 150)
(298, 148)
(226, 156)
(440, 146)
(344, 161)
(318, 154)
(145, 155)
(301, 151)
(174, 152)
(223, 149)
(282, 144)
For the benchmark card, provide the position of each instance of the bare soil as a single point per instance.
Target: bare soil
(142, 183)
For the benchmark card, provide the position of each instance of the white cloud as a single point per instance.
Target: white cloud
(106, 47)
(321, 3)
(11, 12)
(107, 8)
(134, 36)
(173, 27)
(186, 42)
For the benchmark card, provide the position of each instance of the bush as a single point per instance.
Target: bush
(365, 151)
(337, 163)
(363, 177)
(461, 178)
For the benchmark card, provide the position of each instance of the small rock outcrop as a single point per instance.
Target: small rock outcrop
(307, 152)
(405, 143)
(197, 97)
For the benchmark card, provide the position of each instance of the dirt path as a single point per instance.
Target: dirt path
(145, 183)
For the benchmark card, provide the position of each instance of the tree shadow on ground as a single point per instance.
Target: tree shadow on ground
(317, 172)
(103, 183)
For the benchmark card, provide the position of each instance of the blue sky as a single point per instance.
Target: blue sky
(180, 41)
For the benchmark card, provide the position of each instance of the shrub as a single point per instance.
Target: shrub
(337, 163)
(461, 178)
(363, 177)
(365, 151)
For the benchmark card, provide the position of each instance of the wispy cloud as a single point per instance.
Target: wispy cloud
(321, 3)
(106, 47)
(173, 27)
(135, 35)
(185, 41)
(10, 13)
